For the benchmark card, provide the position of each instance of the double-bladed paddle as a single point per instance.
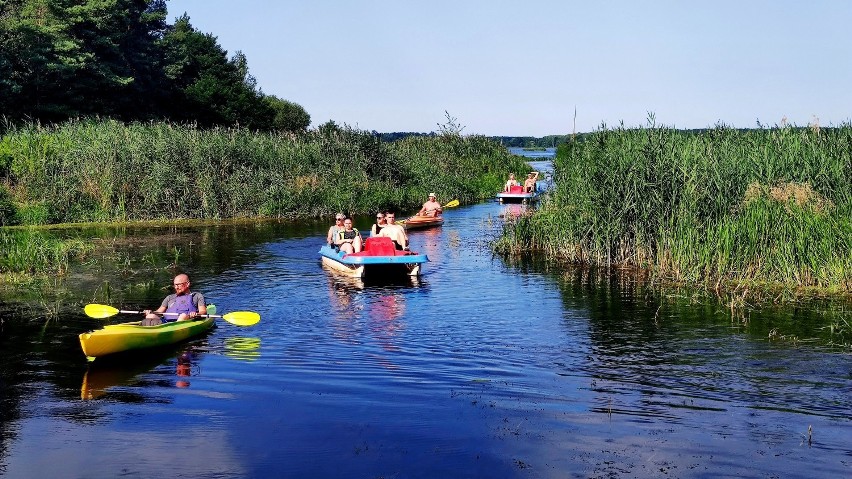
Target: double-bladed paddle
(239, 318)
(451, 204)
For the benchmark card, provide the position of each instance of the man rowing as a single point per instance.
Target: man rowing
(431, 207)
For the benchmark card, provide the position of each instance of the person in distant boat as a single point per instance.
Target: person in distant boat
(529, 183)
(510, 183)
(349, 239)
(379, 224)
(431, 207)
(184, 303)
(335, 230)
(394, 232)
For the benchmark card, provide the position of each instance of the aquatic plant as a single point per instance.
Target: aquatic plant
(37, 252)
(96, 171)
(762, 206)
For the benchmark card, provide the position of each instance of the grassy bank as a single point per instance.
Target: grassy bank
(722, 208)
(107, 171)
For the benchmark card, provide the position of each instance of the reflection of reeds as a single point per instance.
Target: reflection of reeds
(721, 206)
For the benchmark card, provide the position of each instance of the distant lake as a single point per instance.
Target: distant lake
(543, 153)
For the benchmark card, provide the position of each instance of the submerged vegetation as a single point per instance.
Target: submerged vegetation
(728, 209)
(107, 171)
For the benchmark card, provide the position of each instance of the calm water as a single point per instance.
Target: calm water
(478, 369)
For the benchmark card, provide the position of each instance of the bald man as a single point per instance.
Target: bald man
(183, 303)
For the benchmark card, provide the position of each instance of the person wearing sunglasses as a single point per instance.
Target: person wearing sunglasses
(335, 230)
(349, 239)
(379, 224)
(184, 304)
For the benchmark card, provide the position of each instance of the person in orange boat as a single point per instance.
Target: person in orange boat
(186, 304)
(510, 183)
(395, 232)
(431, 207)
(529, 183)
(349, 240)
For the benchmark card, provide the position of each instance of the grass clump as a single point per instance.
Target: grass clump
(720, 207)
(97, 171)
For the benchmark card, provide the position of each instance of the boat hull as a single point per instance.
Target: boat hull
(416, 222)
(359, 266)
(118, 338)
(518, 197)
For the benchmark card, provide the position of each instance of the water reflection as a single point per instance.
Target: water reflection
(475, 368)
(106, 373)
(511, 211)
(242, 348)
(371, 312)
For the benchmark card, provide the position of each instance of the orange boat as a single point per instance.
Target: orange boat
(421, 222)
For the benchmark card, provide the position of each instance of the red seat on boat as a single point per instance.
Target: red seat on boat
(516, 189)
(379, 246)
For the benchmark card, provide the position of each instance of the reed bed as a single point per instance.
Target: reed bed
(721, 206)
(108, 171)
(31, 252)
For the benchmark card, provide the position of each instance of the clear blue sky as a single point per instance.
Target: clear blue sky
(520, 68)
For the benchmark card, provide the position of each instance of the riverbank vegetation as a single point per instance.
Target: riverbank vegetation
(108, 171)
(729, 210)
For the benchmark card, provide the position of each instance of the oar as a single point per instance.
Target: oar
(451, 204)
(240, 318)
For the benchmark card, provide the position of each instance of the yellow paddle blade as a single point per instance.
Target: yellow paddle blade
(242, 318)
(100, 311)
(452, 204)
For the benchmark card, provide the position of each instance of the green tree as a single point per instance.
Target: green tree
(65, 58)
(288, 116)
(213, 90)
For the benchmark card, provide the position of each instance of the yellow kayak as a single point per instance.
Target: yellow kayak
(117, 338)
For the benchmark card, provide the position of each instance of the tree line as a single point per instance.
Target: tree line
(62, 59)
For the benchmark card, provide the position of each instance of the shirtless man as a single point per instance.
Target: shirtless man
(431, 208)
(395, 232)
(529, 183)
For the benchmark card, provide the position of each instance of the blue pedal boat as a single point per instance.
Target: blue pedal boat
(379, 258)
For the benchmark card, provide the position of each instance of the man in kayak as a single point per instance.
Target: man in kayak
(431, 207)
(184, 303)
(529, 183)
(395, 232)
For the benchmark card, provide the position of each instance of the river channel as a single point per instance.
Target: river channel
(482, 367)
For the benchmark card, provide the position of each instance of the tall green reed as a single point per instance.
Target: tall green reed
(108, 171)
(765, 205)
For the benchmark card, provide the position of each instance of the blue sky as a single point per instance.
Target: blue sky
(512, 68)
